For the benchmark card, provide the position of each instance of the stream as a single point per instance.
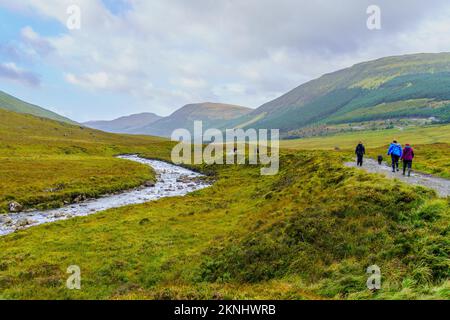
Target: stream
(172, 181)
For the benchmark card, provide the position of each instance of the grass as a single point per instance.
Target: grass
(44, 163)
(61, 179)
(431, 145)
(309, 232)
(11, 103)
(248, 237)
(373, 139)
(430, 158)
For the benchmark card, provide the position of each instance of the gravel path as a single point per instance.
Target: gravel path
(442, 186)
(172, 181)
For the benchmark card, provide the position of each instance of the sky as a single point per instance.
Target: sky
(132, 56)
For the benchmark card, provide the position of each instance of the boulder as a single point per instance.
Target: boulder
(5, 220)
(23, 222)
(79, 198)
(149, 184)
(15, 207)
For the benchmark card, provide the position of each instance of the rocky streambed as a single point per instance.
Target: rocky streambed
(171, 181)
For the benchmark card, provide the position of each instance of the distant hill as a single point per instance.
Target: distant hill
(213, 115)
(128, 124)
(8, 102)
(409, 86)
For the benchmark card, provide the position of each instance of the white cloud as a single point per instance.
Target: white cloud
(11, 71)
(169, 53)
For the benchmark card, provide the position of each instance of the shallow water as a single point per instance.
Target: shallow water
(172, 181)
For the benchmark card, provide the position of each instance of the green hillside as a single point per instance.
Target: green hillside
(45, 163)
(8, 102)
(213, 115)
(410, 86)
(309, 232)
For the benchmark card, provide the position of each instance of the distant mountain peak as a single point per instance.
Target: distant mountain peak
(212, 114)
(125, 124)
(409, 85)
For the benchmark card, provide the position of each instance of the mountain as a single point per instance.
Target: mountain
(213, 115)
(409, 86)
(8, 102)
(128, 124)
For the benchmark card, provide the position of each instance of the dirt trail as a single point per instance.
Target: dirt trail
(442, 186)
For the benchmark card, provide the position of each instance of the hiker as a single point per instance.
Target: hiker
(395, 151)
(380, 159)
(407, 157)
(360, 152)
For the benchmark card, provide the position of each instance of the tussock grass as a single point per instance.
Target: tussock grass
(44, 163)
(309, 232)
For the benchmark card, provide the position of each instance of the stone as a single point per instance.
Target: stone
(23, 223)
(149, 184)
(15, 207)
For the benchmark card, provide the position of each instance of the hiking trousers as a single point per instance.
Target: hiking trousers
(360, 160)
(395, 162)
(407, 164)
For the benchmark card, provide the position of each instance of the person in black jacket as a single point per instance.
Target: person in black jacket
(360, 152)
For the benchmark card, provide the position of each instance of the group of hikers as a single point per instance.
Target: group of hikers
(396, 152)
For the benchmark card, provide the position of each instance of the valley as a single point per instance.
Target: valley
(142, 230)
(307, 233)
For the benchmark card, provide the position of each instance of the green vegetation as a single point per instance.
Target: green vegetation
(430, 158)
(419, 108)
(374, 138)
(213, 115)
(402, 87)
(8, 102)
(44, 163)
(432, 145)
(309, 232)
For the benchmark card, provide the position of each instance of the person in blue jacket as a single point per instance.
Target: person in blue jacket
(395, 151)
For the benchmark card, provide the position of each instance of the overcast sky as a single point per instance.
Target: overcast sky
(133, 56)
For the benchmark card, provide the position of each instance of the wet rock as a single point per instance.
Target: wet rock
(6, 220)
(184, 179)
(149, 184)
(24, 222)
(79, 198)
(15, 207)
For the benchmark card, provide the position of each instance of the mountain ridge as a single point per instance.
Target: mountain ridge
(404, 78)
(11, 103)
(210, 113)
(125, 124)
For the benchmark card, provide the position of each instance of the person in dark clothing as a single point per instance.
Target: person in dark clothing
(407, 157)
(360, 152)
(380, 160)
(395, 151)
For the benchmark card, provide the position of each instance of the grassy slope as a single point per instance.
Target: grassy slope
(307, 233)
(344, 95)
(44, 163)
(432, 145)
(213, 115)
(8, 102)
